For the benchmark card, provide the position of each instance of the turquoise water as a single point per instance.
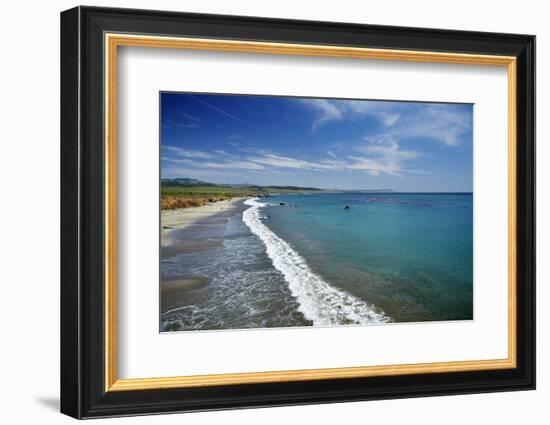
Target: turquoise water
(410, 255)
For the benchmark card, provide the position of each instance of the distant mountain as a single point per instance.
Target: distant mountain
(183, 181)
(188, 182)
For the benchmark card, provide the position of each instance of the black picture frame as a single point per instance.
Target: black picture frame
(83, 392)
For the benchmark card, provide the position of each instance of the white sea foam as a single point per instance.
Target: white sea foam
(319, 302)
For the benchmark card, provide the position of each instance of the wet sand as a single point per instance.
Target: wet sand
(172, 290)
(183, 217)
(189, 247)
(189, 231)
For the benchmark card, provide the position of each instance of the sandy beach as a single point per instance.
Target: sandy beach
(183, 217)
(191, 231)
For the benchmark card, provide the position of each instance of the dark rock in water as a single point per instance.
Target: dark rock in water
(167, 227)
(346, 207)
(282, 203)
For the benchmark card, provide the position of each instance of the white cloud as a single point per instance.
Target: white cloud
(385, 112)
(222, 152)
(228, 165)
(380, 157)
(173, 171)
(187, 153)
(274, 160)
(443, 123)
(374, 166)
(337, 110)
(387, 147)
(241, 165)
(327, 111)
(385, 156)
(376, 156)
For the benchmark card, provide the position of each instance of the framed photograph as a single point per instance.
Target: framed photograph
(261, 212)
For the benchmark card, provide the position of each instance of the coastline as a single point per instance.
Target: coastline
(177, 219)
(318, 300)
(215, 274)
(195, 223)
(247, 263)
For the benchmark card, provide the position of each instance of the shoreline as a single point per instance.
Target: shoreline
(177, 219)
(313, 293)
(217, 276)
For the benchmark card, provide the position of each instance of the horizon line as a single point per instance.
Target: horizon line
(309, 187)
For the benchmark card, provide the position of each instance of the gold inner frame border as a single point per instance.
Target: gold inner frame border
(111, 43)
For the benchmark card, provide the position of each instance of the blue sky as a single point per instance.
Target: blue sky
(325, 143)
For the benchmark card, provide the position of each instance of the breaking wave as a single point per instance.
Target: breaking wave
(319, 302)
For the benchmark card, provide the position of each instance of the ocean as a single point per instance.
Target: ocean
(303, 260)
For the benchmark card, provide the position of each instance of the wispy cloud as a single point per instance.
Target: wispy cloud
(321, 142)
(228, 165)
(386, 146)
(445, 123)
(331, 110)
(221, 164)
(173, 171)
(221, 111)
(375, 156)
(386, 112)
(222, 152)
(280, 161)
(326, 111)
(383, 155)
(187, 153)
(190, 117)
